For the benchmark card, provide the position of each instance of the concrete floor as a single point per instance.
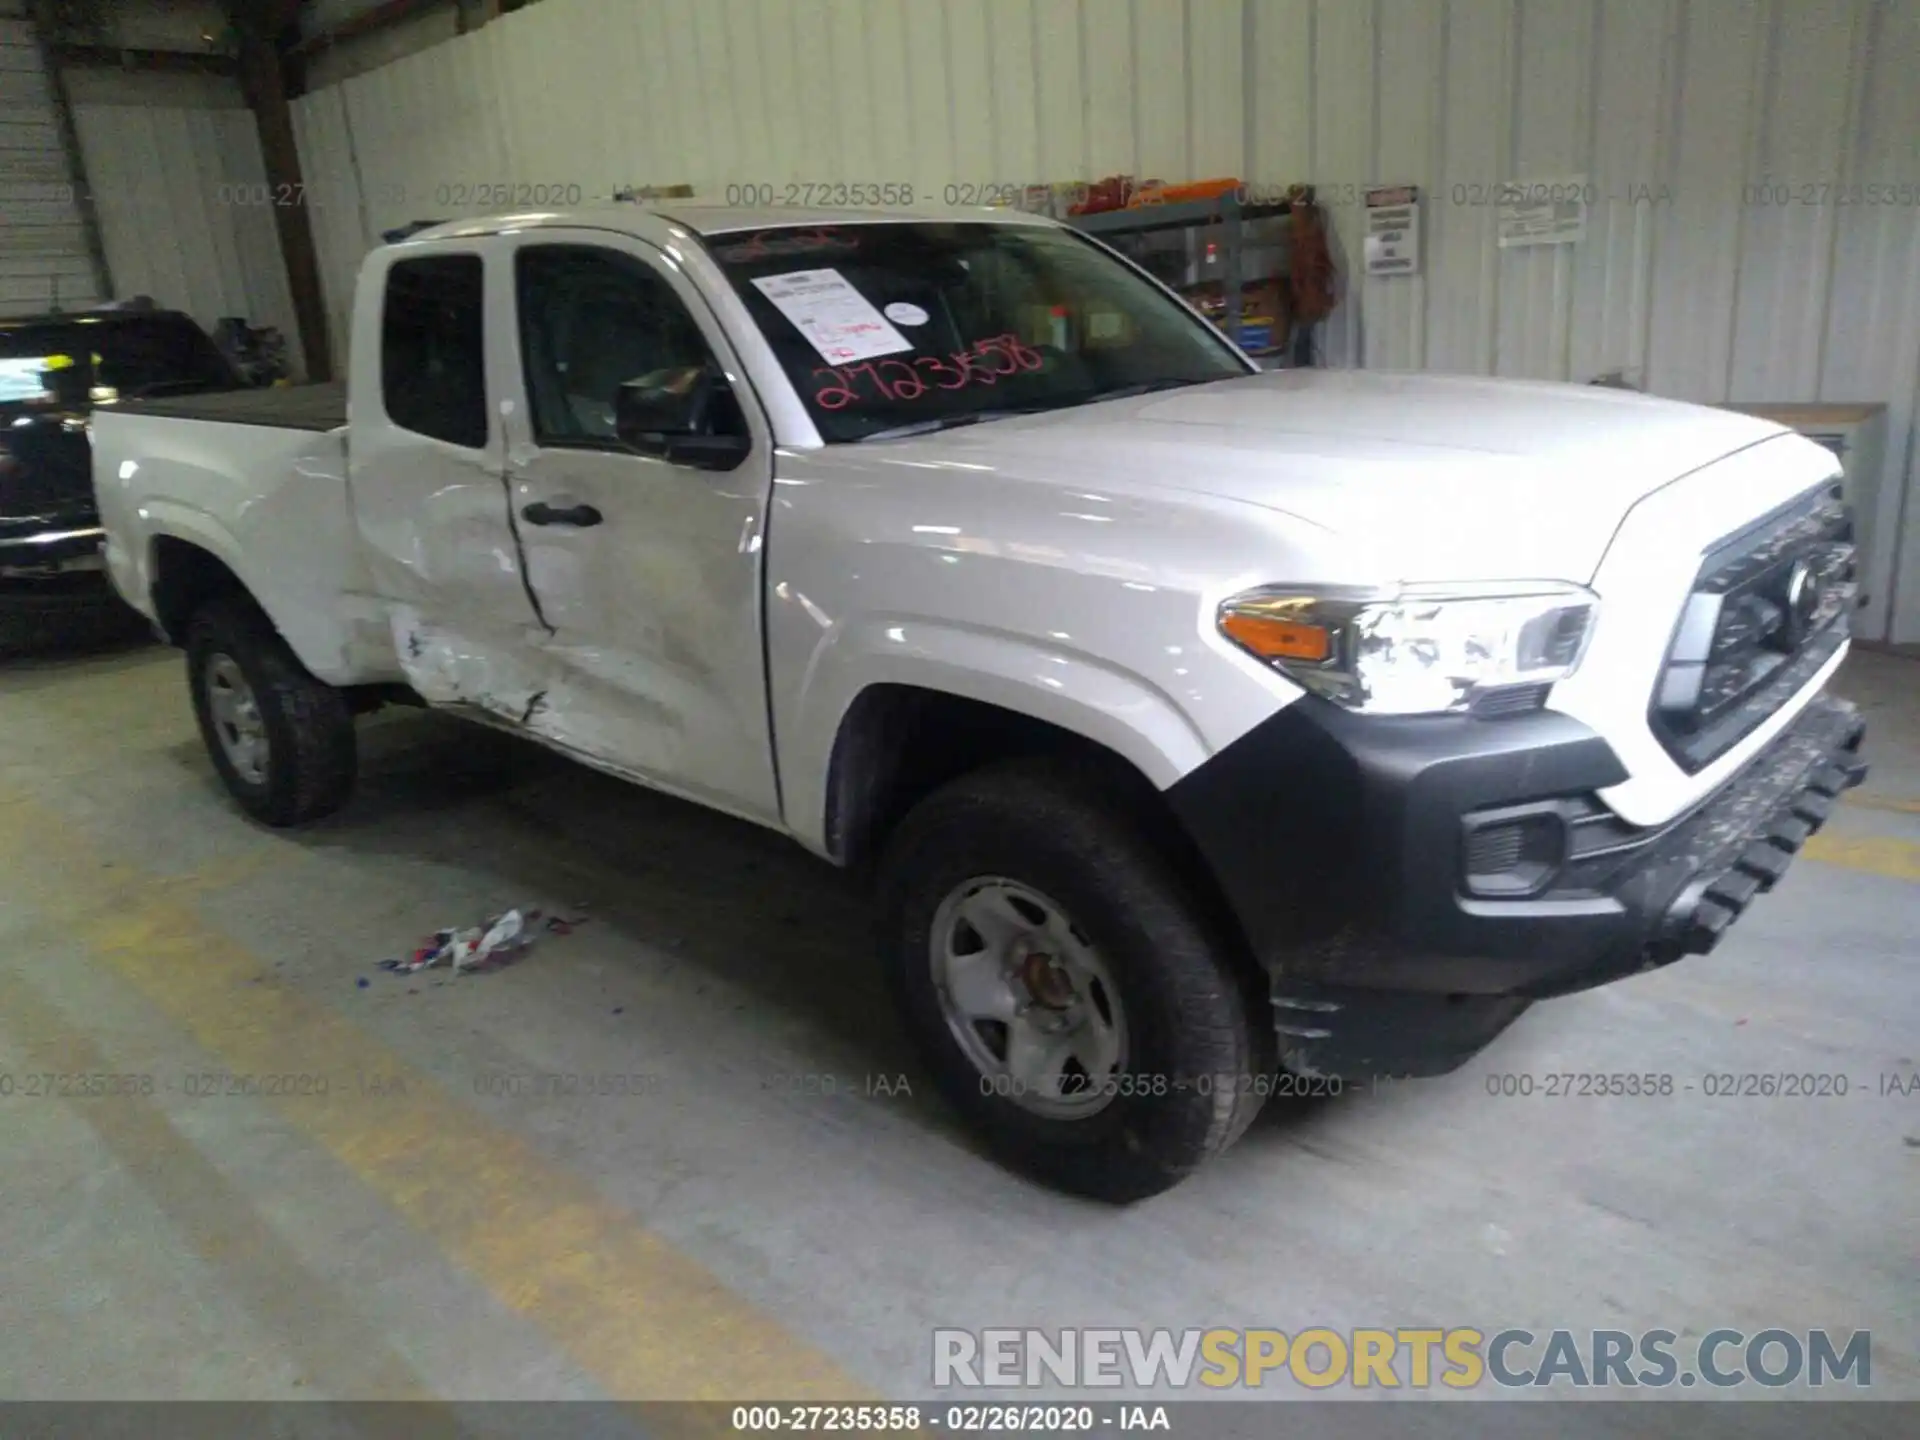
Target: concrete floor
(727, 1230)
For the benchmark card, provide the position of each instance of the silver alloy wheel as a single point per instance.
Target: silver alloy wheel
(1029, 999)
(236, 719)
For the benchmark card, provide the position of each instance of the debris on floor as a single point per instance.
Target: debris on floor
(497, 942)
(565, 925)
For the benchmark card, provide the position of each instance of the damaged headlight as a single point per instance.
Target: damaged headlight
(1419, 650)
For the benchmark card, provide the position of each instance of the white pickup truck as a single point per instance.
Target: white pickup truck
(1213, 733)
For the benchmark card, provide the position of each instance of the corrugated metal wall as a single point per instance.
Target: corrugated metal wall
(1757, 234)
(180, 191)
(45, 252)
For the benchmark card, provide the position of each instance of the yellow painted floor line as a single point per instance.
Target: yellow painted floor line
(1897, 859)
(305, 1312)
(1868, 801)
(643, 1319)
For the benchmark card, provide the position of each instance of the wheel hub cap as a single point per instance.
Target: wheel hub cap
(1046, 980)
(1028, 997)
(237, 722)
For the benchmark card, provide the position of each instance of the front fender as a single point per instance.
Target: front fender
(1083, 600)
(1077, 692)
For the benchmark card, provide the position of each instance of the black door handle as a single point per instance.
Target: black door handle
(541, 513)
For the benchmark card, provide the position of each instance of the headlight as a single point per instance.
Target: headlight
(1417, 651)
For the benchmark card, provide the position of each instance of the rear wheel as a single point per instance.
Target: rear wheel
(282, 741)
(1070, 996)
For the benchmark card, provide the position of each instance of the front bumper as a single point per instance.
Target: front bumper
(47, 566)
(1347, 847)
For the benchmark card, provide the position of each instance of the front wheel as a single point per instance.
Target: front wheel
(1067, 991)
(281, 740)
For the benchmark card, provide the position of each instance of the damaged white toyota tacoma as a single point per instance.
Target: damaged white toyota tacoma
(1211, 733)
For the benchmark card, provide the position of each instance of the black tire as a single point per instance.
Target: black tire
(1187, 999)
(311, 754)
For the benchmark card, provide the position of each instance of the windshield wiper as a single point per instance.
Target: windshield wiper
(1145, 387)
(941, 422)
(948, 422)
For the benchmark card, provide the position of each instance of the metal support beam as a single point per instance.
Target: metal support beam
(264, 83)
(76, 162)
(367, 22)
(112, 57)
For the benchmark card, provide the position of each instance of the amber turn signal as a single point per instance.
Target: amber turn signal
(1273, 639)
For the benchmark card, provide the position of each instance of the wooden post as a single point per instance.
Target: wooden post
(265, 85)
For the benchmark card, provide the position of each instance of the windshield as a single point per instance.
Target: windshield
(81, 362)
(892, 329)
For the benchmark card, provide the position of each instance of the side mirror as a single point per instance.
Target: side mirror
(686, 416)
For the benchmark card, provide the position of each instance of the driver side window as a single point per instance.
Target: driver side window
(592, 320)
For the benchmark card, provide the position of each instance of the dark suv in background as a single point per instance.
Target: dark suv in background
(54, 369)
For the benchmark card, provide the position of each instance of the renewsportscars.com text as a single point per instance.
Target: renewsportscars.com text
(1459, 1358)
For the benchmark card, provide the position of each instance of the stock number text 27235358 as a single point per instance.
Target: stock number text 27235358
(986, 362)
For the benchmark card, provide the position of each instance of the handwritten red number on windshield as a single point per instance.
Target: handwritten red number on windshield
(969, 365)
(993, 349)
(872, 375)
(836, 396)
(941, 367)
(1018, 354)
(1024, 355)
(902, 382)
(908, 380)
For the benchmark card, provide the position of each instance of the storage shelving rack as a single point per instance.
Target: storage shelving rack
(1224, 212)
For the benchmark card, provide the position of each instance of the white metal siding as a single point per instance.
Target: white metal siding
(1672, 110)
(185, 213)
(44, 255)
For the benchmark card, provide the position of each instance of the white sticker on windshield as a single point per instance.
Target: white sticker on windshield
(835, 317)
(905, 312)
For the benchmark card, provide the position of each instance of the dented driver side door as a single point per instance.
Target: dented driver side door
(646, 572)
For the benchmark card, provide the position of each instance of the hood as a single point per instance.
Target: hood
(46, 467)
(1430, 477)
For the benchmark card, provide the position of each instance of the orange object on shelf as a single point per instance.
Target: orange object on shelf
(1155, 193)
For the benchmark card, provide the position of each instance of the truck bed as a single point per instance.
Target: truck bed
(258, 479)
(289, 407)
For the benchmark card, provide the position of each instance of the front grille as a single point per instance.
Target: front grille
(1767, 610)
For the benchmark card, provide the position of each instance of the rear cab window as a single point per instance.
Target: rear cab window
(896, 327)
(433, 359)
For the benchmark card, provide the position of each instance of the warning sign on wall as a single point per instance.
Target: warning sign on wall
(1392, 245)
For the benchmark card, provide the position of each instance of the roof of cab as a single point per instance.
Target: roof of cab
(707, 220)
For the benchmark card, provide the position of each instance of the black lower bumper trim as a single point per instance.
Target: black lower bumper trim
(1802, 775)
(1338, 842)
